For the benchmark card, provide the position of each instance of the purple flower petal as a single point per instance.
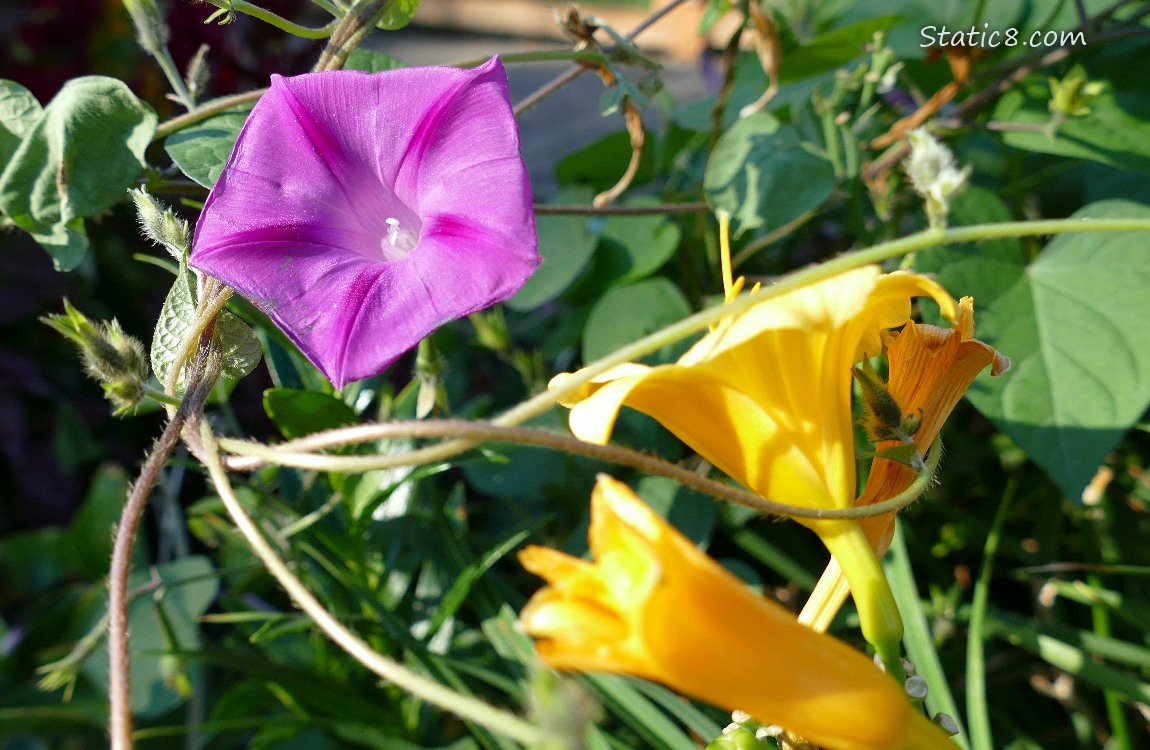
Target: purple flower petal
(362, 211)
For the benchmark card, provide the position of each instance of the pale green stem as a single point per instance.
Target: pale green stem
(879, 619)
(977, 705)
(164, 58)
(214, 107)
(265, 15)
(298, 454)
(541, 402)
(214, 296)
(464, 706)
(157, 395)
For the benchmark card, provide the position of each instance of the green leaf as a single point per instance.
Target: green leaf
(19, 111)
(86, 148)
(1073, 322)
(241, 348)
(66, 243)
(601, 164)
(1115, 132)
(762, 175)
(89, 537)
(370, 61)
(832, 49)
(627, 313)
(177, 322)
(565, 244)
(691, 512)
(297, 413)
(202, 150)
(634, 247)
(163, 622)
(399, 14)
(1107, 134)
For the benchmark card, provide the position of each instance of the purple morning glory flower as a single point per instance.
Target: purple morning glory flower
(362, 211)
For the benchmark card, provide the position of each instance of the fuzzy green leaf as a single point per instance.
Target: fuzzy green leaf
(241, 348)
(177, 322)
(84, 150)
(19, 111)
(566, 244)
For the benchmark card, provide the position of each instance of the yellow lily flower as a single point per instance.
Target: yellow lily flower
(650, 604)
(766, 398)
(930, 369)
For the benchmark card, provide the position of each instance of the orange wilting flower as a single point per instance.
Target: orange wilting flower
(650, 604)
(930, 368)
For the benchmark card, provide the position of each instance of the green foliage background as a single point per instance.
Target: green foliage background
(1025, 592)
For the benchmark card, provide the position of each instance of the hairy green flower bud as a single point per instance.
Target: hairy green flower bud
(161, 225)
(111, 357)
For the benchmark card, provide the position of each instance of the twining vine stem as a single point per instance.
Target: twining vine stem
(431, 691)
(202, 371)
(298, 453)
(925, 240)
(119, 661)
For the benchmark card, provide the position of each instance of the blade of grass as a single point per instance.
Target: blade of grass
(1072, 659)
(917, 636)
(977, 706)
(641, 715)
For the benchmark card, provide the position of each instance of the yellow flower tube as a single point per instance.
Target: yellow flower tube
(650, 604)
(766, 398)
(930, 369)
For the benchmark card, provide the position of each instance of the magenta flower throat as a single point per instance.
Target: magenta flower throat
(362, 211)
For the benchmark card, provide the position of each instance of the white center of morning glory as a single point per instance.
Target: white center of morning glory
(399, 241)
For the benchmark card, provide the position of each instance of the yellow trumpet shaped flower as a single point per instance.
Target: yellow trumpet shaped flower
(650, 604)
(766, 398)
(930, 369)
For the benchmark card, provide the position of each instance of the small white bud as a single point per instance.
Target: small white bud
(934, 174)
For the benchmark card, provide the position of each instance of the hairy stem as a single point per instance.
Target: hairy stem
(214, 107)
(119, 660)
(351, 31)
(567, 77)
(299, 454)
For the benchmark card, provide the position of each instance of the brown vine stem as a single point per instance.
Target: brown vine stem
(199, 114)
(202, 373)
(352, 30)
(299, 453)
(464, 706)
(119, 660)
(567, 77)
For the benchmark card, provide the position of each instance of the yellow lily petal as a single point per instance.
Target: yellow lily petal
(663, 610)
(704, 411)
(790, 360)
